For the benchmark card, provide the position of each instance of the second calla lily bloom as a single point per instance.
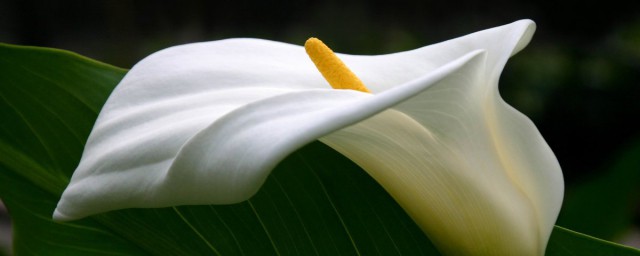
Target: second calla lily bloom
(205, 123)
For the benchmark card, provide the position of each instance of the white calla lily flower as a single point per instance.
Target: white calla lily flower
(205, 123)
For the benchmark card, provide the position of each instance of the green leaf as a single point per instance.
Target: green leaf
(49, 100)
(565, 242)
(315, 202)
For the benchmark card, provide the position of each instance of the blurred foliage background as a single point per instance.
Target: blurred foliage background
(577, 80)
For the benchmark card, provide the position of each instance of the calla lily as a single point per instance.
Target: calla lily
(205, 123)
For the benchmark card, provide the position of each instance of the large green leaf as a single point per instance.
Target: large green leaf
(565, 242)
(49, 100)
(315, 202)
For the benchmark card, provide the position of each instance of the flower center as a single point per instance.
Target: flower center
(331, 67)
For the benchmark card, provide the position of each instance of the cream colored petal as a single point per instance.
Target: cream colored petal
(463, 163)
(442, 187)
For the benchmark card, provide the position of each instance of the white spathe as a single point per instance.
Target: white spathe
(205, 123)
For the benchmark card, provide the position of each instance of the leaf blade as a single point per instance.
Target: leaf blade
(316, 201)
(567, 242)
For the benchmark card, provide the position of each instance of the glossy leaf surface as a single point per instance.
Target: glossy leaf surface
(315, 202)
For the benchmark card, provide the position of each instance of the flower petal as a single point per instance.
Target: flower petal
(382, 72)
(227, 160)
(164, 101)
(459, 160)
(178, 128)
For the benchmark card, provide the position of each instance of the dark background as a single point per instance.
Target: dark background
(577, 80)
